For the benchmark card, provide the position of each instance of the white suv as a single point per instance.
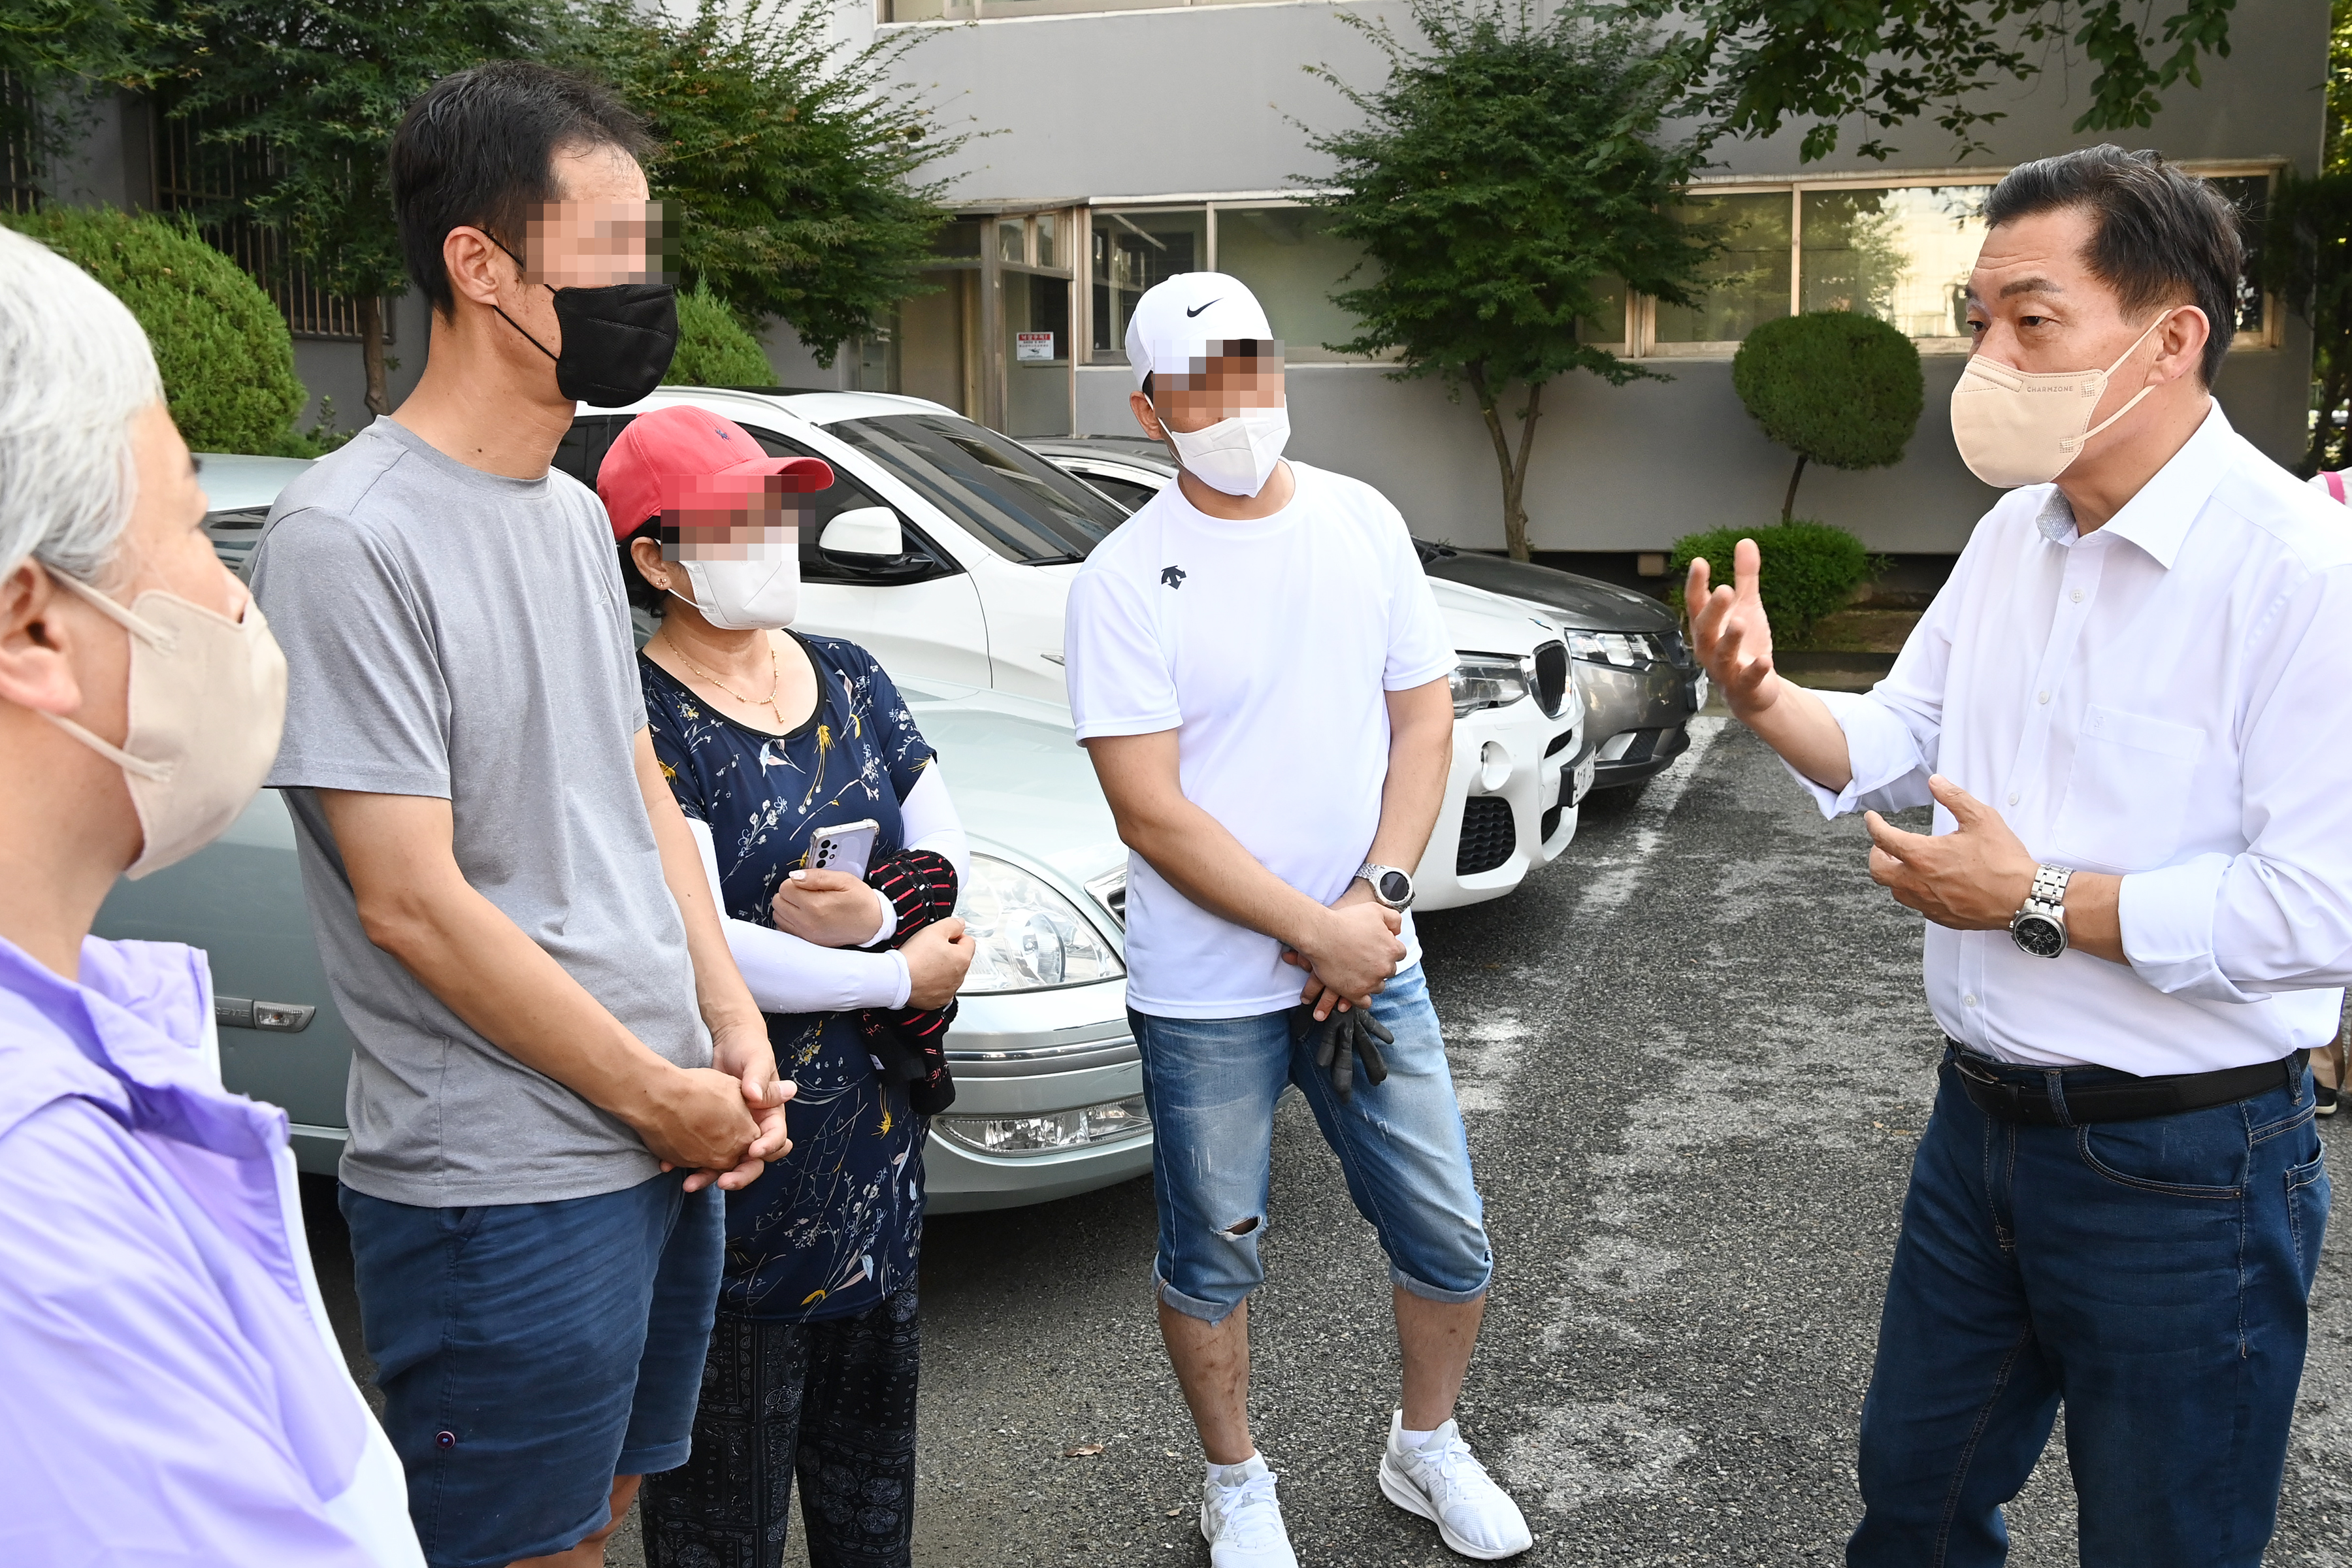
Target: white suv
(947, 550)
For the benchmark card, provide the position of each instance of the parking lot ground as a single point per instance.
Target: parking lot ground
(1694, 1061)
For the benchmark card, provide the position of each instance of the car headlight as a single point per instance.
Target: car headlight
(1480, 680)
(1619, 648)
(1025, 936)
(1050, 1133)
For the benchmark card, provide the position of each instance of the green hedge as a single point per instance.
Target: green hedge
(1810, 569)
(713, 349)
(227, 358)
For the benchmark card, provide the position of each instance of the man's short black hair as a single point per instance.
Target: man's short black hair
(2157, 234)
(479, 150)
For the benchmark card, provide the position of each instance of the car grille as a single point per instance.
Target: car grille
(1489, 835)
(1551, 822)
(1672, 643)
(1551, 677)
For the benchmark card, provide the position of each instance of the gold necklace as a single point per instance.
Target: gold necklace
(775, 678)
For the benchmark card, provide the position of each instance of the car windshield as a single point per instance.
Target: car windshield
(1010, 499)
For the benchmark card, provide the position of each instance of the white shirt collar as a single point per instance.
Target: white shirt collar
(2158, 517)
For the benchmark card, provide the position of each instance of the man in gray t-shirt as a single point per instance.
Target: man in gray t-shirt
(462, 635)
(555, 1066)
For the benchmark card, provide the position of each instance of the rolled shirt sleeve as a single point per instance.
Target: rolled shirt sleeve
(2276, 916)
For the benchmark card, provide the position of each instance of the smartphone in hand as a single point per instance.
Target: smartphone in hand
(846, 848)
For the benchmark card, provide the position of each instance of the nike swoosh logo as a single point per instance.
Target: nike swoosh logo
(1198, 309)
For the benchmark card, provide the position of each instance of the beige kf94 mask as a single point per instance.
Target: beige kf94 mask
(2021, 428)
(207, 703)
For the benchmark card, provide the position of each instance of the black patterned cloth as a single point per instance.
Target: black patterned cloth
(836, 1224)
(830, 1402)
(909, 1044)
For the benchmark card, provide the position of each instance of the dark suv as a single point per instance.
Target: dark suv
(1641, 685)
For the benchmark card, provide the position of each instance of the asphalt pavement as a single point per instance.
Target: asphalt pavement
(1694, 1061)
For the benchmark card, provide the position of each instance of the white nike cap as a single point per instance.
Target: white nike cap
(1177, 319)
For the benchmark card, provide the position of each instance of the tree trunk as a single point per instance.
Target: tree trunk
(371, 351)
(1514, 471)
(1789, 501)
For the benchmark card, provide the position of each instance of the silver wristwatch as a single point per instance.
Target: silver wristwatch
(1390, 886)
(2040, 927)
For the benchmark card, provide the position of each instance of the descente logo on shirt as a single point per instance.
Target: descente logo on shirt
(1173, 575)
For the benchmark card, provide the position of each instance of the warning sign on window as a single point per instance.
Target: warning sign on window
(1029, 346)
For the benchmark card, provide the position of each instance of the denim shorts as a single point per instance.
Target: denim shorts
(529, 1352)
(1211, 1085)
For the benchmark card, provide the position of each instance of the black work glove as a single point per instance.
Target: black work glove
(1348, 1035)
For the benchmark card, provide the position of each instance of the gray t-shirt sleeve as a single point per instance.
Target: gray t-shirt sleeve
(367, 705)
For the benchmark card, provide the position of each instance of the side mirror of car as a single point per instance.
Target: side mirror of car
(864, 531)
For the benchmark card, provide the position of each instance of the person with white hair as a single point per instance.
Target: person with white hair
(170, 1389)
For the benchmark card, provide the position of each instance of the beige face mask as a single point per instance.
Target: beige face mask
(2019, 428)
(207, 703)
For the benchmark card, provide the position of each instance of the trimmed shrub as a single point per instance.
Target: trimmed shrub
(226, 357)
(713, 349)
(1833, 387)
(1810, 569)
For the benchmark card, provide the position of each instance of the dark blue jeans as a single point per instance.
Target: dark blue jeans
(2153, 1275)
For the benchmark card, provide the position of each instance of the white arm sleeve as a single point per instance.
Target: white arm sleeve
(787, 975)
(929, 819)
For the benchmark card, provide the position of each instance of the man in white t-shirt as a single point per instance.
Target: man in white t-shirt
(1258, 670)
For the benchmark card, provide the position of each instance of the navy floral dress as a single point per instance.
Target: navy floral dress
(836, 1224)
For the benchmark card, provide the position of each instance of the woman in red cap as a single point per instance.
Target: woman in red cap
(773, 740)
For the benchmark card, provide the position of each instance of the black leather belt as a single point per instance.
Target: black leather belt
(2047, 1100)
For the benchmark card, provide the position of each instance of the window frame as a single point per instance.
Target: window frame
(1646, 345)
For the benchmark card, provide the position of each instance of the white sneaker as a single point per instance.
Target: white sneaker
(1243, 1524)
(1443, 1484)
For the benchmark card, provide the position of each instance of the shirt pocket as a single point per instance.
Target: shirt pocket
(2127, 797)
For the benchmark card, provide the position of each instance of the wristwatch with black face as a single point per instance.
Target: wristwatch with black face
(1390, 886)
(2040, 927)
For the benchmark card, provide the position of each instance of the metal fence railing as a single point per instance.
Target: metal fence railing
(208, 180)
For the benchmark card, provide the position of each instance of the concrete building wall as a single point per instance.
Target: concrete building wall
(1216, 99)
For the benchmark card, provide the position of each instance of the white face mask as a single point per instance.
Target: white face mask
(1235, 456)
(747, 595)
(2023, 428)
(207, 703)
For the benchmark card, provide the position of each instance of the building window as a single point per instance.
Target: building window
(1902, 255)
(1747, 280)
(1283, 250)
(194, 176)
(1132, 251)
(1291, 261)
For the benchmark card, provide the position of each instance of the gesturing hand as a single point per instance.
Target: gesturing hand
(1975, 877)
(831, 909)
(1730, 634)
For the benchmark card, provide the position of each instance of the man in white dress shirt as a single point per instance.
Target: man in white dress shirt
(2128, 708)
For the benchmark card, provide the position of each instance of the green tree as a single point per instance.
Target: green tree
(1504, 181)
(790, 164)
(226, 359)
(2307, 262)
(713, 349)
(1752, 66)
(1834, 387)
(55, 54)
(298, 100)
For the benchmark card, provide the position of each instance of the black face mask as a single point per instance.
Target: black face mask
(618, 340)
